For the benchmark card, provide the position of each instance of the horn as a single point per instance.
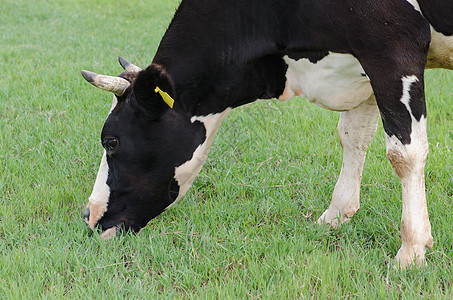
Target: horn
(128, 66)
(116, 85)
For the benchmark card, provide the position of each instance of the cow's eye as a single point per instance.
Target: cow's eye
(110, 144)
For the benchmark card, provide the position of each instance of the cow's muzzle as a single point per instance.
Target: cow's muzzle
(107, 234)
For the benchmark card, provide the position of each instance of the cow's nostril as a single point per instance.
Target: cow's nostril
(86, 215)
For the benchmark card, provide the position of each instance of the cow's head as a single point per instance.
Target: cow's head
(152, 151)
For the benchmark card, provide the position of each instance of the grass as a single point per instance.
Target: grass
(246, 229)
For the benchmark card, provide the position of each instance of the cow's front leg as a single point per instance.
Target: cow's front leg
(355, 128)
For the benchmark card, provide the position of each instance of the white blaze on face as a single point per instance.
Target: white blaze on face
(98, 200)
(336, 82)
(186, 173)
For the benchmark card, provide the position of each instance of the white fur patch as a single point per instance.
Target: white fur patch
(336, 82)
(406, 98)
(414, 3)
(185, 174)
(101, 191)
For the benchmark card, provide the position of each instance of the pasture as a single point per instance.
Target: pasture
(246, 229)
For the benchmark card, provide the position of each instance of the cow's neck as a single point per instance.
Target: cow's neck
(226, 64)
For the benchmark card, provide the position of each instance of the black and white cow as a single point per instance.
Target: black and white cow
(363, 58)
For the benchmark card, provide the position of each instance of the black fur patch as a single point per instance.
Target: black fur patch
(312, 56)
(417, 100)
(439, 13)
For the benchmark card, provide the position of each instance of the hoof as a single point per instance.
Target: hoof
(410, 257)
(334, 218)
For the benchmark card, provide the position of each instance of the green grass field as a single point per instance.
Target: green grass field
(246, 229)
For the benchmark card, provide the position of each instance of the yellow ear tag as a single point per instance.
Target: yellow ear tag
(167, 99)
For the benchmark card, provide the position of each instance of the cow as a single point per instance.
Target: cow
(364, 59)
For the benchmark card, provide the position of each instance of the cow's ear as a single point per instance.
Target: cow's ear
(153, 88)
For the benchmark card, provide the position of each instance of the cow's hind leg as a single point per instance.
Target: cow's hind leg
(408, 156)
(355, 128)
(402, 105)
(395, 67)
